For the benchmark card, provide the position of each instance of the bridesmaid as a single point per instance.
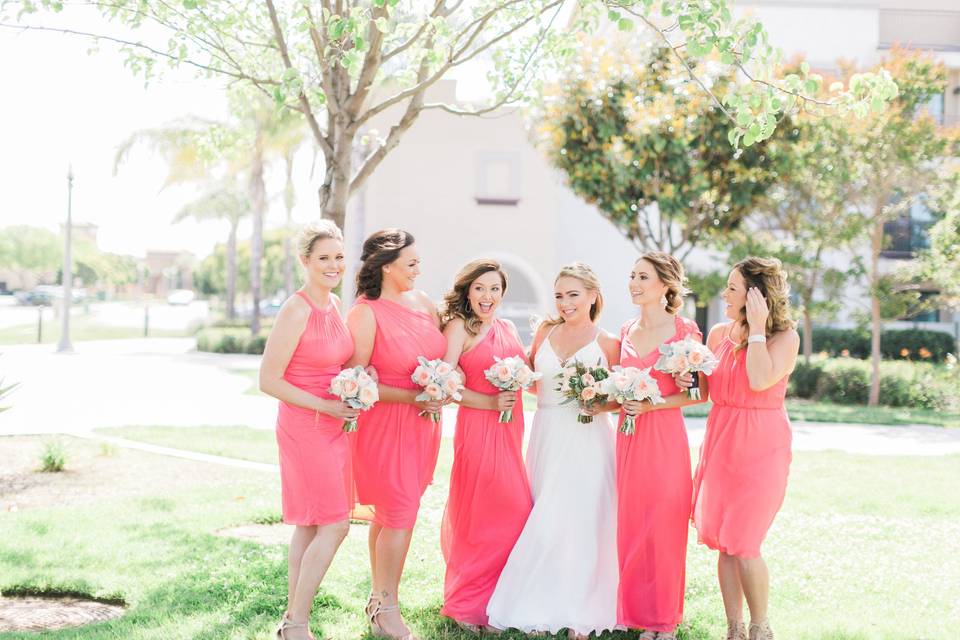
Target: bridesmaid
(653, 464)
(395, 450)
(307, 347)
(489, 493)
(741, 479)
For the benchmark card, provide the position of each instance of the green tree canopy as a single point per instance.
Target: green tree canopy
(637, 138)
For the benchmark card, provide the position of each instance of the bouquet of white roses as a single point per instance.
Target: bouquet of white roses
(630, 383)
(687, 356)
(439, 381)
(583, 385)
(510, 374)
(357, 390)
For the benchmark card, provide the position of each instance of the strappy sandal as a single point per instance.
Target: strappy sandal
(667, 635)
(474, 629)
(647, 635)
(761, 630)
(286, 623)
(736, 630)
(375, 627)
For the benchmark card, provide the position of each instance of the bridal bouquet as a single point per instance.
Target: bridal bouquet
(439, 381)
(510, 374)
(687, 356)
(357, 390)
(583, 385)
(630, 383)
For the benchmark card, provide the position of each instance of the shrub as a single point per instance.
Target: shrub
(54, 457)
(804, 379)
(231, 341)
(895, 344)
(902, 384)
(846, 383)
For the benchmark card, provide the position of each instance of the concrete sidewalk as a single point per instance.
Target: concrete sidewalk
(163, 381)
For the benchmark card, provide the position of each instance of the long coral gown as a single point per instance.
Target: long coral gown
(653, 501)
(394, 449)
(489, 493)
(741, 478)
(315, 466)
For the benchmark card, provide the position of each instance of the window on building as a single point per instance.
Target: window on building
(936, 107)
(926, 312)
(909, 233)
(498, 178)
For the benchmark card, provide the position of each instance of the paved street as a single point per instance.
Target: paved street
(163, 381)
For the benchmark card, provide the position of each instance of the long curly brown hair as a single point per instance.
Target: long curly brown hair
(670, 272)
(456, 302)
(767, 275)
(379, 249)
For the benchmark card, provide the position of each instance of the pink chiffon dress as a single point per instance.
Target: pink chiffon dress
(653, 501)
(741, 479)
(489, 492)
(394, 449)
(315, 465)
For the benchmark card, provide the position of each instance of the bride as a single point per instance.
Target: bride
(563, 572)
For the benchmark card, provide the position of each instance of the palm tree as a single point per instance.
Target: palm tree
(239, 150)
(222, 202)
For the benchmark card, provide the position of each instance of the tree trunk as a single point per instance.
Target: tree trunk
(288, 201)
(232, 270)
(876, 245)
(258, 205)
(807, 333)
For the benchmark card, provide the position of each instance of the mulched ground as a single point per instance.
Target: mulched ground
(94, 471)
(43, 614)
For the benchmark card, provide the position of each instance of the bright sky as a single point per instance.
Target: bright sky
(64, 106)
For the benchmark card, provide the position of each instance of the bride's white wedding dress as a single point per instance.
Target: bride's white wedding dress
(563, 572)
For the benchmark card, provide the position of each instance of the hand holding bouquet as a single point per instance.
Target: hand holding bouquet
(510, 374)
(630, 383)
(687, 356)
(357, 389)
(440, 382)
(582, 384)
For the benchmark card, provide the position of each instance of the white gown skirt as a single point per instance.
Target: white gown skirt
(563, 572)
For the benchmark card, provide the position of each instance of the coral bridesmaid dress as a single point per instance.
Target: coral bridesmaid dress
(395, 450)
(653, 501)
(489, 493)
(741, 479)
(315, 469)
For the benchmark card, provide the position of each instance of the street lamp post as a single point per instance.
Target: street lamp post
(65, 346)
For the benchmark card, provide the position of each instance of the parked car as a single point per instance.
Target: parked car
(181, 297)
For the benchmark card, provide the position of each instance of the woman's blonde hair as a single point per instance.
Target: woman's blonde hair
(767, 275)
(582, 272)
(313, 231)
(670, 272)
(456, 302)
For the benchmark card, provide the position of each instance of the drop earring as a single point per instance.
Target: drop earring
(663, 301)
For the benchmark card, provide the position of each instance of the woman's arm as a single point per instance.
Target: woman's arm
(280, 346)
(457, 342)
(770, 360)
(363, 327)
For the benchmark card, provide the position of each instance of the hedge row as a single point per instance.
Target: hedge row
(902, 384)
(231, 340)
(895, 344)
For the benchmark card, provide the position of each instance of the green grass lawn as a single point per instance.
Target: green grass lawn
(258, 445)
(81, 328)
(811, 411)
(864, 548)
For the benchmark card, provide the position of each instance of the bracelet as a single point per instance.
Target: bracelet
(757, 338)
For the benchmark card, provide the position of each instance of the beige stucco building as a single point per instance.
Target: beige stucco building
(469, 187)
